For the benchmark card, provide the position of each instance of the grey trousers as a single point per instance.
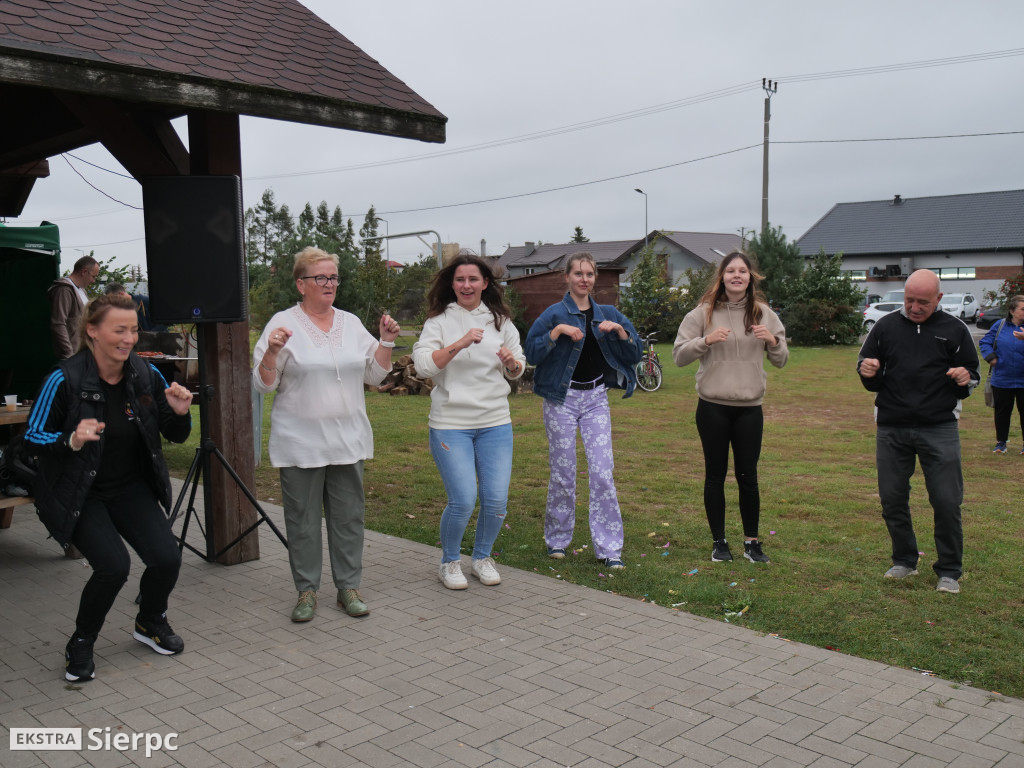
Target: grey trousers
(337, 490)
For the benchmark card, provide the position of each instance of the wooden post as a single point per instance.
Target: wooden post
(215, 149)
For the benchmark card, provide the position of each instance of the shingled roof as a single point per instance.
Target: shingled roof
(551, 255)
(709, 247)
(265, 58)
(946, 224)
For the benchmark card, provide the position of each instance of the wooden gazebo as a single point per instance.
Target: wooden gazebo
(118, 71)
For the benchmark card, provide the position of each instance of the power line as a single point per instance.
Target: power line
(900, 138)
(628, 115)
(574, 186)
(100, 167)
(656, 109)
(696, 160)
(72, 167)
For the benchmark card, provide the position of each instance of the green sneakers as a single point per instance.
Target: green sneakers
(305, 607)
(350, 601)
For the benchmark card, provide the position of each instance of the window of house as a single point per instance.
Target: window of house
(529, 270)
(857, 274)
(953, 273)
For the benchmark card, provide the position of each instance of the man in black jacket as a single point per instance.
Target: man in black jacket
(921, 363)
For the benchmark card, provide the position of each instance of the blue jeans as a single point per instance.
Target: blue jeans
(937, 446)
(463, 456)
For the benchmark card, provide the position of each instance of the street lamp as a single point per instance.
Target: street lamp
(645, 214)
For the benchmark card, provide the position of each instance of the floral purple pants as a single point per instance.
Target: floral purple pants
(586, 410)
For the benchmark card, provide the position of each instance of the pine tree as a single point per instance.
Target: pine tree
(578, 237)
(778, 262)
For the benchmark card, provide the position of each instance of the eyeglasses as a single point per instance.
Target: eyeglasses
(323, 280)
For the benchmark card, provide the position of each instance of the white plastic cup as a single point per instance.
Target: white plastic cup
(11, 401)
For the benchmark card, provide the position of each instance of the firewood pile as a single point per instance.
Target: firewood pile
(403, 380)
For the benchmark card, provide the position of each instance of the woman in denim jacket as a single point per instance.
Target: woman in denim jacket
(581, 348)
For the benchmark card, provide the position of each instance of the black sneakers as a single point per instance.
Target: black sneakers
(721, 553)
(158, 635)
(752, 551)
(78, 664)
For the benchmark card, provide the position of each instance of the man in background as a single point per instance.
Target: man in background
(921, 363)
(67, 298)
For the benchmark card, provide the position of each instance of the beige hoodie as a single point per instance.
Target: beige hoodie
(732, 372)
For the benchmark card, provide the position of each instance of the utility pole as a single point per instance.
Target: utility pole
(770, 88)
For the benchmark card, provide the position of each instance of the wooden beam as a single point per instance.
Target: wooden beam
(215, 144)
(144, 142)
(200, 93)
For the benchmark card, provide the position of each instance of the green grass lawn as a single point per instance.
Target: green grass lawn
(821, 522)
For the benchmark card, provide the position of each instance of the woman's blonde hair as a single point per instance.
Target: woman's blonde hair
(96, 310)
(311, 255)
(580, 256)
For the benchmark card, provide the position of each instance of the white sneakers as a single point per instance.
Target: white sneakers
(451, 573)
(484, 570)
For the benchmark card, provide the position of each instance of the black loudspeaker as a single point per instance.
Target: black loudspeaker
(195, 252)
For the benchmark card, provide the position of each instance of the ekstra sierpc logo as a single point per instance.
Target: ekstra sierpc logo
(50, 739)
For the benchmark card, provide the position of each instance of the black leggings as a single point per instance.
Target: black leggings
(1003, 400)
(134, 514)
(720, 426)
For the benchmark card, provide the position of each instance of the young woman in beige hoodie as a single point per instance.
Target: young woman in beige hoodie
(730, 332)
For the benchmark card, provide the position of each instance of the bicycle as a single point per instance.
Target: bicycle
(648, 370)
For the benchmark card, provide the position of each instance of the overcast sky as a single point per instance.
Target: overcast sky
(503, 72)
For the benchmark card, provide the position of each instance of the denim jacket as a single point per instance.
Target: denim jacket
(556, 360)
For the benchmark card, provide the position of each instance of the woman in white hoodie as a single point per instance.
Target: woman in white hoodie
(470, 348)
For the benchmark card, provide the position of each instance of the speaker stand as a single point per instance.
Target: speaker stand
(200, 468)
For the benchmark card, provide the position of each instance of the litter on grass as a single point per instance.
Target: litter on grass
(693, 572)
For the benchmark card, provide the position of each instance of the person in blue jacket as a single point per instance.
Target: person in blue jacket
(1003, 349)
(581, 349)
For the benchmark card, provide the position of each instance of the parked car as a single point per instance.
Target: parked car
(881, 309)
(893, 296)
(962, 305)
(989, 316)
(871, 298)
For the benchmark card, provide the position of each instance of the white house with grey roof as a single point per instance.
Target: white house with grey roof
(680, 251)
(973, 242)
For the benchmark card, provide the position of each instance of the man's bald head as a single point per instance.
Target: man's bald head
(921, 295)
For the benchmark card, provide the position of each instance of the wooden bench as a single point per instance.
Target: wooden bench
(7, 505)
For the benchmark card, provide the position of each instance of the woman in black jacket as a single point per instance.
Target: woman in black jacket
(95, 428)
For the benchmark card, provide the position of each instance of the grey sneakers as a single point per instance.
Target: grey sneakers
(948, 584)
(900, 572)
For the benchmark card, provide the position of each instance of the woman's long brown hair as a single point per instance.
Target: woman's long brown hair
(716, 291)
(442, 294)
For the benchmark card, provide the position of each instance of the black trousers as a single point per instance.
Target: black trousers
(135, 515)
(1002, 401)
(742, 427)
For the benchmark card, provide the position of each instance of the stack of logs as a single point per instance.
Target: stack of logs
(403, 380)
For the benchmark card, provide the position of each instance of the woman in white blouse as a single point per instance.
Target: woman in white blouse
(317, 358)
